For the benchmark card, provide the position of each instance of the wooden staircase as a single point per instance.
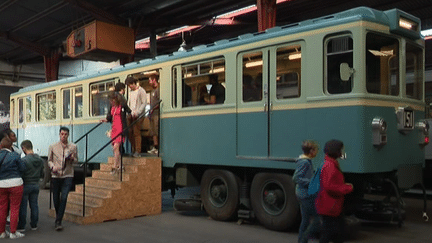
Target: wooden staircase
(108, 198)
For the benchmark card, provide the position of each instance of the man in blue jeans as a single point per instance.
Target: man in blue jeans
(61, 157)
(34, 167)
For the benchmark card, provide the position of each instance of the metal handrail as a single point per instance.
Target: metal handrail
(91, 130)
(104, 146)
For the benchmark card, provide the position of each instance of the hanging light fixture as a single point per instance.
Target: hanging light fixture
(183, 44)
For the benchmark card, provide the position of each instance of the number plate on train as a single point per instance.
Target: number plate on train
(408, 116)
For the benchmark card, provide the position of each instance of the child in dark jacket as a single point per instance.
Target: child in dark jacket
(34, 166)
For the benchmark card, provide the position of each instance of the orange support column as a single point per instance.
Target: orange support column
(266, 14)
(51, 64)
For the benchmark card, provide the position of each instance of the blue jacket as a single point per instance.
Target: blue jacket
(11, 165)
(302, 176)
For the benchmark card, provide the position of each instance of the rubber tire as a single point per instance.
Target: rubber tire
(228, 209)
(288, 215)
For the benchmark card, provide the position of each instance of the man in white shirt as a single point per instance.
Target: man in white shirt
(137, 102)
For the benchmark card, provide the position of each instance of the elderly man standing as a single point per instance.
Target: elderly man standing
(61, 157)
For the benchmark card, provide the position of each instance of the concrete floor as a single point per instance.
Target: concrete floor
(189, 227)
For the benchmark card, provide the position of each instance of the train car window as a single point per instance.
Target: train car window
(46, 106)
(66, 104)
(414, 71)
(12, 113)
(78, 102)
(338, 50)
(21, 110)
(252, 76)
(99, 97)
(203, 83)
(144, 82)
(382, 65)
(288, 69)
(28, 108)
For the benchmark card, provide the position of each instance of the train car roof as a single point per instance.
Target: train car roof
(355, 14)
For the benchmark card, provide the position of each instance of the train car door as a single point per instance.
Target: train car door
(268, 85)
(24, 116)
(252, 104)
(287, 121)
(72, 107)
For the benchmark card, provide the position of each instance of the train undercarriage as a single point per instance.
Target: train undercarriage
(269, 197)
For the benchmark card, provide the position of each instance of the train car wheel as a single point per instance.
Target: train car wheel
(220, 194)
(273, 201)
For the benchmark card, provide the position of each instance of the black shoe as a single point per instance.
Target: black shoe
(58, 226)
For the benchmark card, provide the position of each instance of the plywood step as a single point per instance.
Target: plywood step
(93, 190)
(77, 198)
(105, 175)
(107, 198)
(107, 184)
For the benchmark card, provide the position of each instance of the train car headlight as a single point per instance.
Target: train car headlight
(423, 128)
(379, 131)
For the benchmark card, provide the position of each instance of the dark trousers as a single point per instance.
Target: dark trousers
(332, 229)
(30, 195)
(310, 223)
(61, 188)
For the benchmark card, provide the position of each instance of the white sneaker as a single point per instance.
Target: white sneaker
(4, 235)
(136, 155)
(16, 235)
(152, 151)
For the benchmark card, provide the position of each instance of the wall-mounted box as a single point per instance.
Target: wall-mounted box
(100, 41)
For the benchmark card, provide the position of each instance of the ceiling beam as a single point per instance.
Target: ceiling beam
(43, 50)
(98, 13)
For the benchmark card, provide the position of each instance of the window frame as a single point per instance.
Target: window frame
(38, 105)
(298, 45)
(105, 93)
(420, 79)
(72, 102)
(398, 61)
(178, 101)
(327, 39)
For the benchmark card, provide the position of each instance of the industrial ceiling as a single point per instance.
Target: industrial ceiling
(31, 29)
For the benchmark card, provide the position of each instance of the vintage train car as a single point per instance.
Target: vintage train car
(356, 76)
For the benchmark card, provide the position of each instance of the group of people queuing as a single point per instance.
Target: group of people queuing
(124, 112)
(19, 184)
(321, 212)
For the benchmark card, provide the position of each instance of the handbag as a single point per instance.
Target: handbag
(108, 133)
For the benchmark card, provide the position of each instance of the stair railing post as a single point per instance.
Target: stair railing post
(121, 158)
(85, 174)
(50, 206)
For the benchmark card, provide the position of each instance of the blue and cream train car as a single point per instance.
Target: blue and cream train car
(356, 76)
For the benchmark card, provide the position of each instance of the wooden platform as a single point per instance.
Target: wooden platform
(108, 198)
